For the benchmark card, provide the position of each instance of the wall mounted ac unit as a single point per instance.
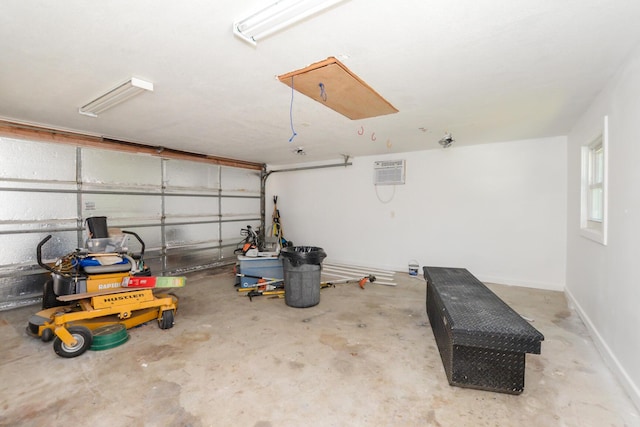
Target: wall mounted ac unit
(389, 172)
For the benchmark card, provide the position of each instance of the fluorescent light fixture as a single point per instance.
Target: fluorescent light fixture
(116, 96)
(278, 16)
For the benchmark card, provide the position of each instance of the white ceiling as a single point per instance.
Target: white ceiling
(486, 71)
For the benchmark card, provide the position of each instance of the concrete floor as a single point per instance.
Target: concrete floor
(359, 358)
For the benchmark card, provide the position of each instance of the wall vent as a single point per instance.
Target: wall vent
(389, 172)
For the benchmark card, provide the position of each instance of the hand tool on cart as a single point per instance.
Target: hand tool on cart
(250, 243)
(261, 287)
(263, 282)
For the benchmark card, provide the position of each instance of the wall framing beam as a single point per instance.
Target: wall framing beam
(33, 132)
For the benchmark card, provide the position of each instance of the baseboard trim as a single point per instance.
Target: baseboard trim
(524, 284)
(548, 286)
(609, 358)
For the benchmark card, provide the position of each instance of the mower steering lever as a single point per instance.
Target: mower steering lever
(39, 255)
(139, 240)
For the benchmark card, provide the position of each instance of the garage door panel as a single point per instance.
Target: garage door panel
(188, 213)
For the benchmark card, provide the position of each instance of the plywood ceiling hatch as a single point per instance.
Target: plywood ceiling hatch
(332, 84)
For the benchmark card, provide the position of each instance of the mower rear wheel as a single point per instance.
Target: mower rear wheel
(166, 321)
(83, 338)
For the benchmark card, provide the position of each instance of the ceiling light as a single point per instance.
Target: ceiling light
(277, 16)
(114, 97)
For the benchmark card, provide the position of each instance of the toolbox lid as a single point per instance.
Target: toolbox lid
(476, 316)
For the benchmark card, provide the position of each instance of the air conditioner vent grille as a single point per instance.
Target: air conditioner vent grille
(389, 172)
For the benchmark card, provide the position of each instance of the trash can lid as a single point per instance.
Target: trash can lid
(304, 254)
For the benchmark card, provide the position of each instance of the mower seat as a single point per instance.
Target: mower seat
(92, 265)
(106, 269)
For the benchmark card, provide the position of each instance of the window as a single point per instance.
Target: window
(594, 188)
(595, 177)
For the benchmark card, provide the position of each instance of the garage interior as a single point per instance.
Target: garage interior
(394, 135)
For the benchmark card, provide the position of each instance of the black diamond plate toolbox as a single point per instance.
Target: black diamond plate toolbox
(482, 341)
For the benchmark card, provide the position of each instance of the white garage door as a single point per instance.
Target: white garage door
(188, 213)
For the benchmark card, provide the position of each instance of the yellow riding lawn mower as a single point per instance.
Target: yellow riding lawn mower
(100, 292)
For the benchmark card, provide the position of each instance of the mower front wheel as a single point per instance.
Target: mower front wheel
(83, 337)
(166, 321)
(47, 335)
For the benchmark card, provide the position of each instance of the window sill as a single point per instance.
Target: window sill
(595, 235)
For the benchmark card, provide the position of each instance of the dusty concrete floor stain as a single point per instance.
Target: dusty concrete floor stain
(358, 358)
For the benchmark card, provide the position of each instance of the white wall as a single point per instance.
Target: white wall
(603, 281)
(498, 210)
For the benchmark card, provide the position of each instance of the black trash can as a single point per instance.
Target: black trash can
(302, 266)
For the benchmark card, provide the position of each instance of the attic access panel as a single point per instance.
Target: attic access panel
(332, 84)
